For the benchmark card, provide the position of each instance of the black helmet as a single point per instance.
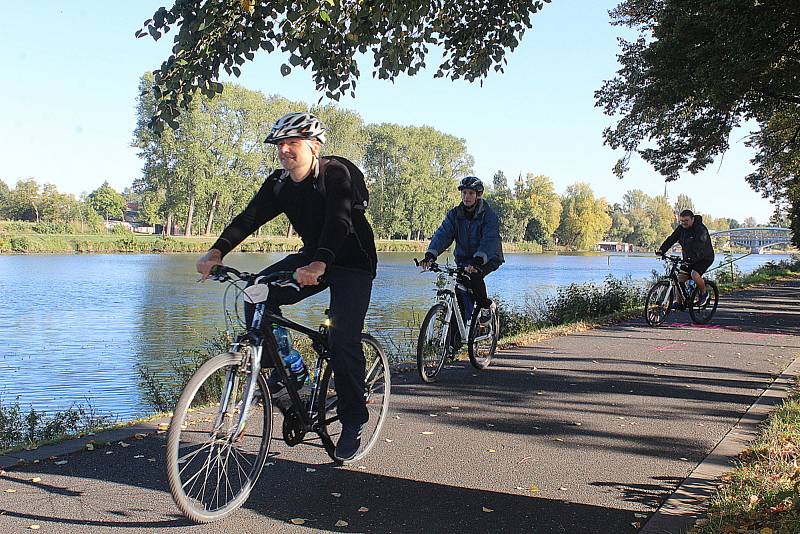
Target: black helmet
(471, 182)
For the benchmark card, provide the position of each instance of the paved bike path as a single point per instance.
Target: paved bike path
(583, 433)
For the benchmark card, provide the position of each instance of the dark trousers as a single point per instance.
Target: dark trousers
(350, 294)
(478, 285)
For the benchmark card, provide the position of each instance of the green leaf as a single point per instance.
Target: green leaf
(324, 15)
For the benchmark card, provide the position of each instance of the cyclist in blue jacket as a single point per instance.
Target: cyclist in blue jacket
(475, 228)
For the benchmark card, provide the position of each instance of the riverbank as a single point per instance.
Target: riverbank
(128, 242)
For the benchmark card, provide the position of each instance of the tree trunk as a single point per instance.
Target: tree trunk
(211, 211)
(168, 224)
(189, 215)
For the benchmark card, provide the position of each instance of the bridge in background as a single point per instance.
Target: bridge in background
(756, 239)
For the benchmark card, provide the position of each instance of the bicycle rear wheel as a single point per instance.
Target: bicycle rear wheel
(482, 341)
(658, 303)
(433, 343)
(702, 312)
(211, 469)
(377, 387)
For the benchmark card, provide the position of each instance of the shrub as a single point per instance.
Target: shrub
(20, 244)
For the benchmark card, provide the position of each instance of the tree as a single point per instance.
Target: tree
(749, 222)
(584, 219)
(684, 203)
(499, 181)
(25, 200)
(325, 37)
(106, 201)
(694, 73)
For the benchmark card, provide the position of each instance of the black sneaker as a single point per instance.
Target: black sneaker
(349, 442)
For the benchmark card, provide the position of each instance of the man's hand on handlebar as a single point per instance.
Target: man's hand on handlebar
(427, 261)
(207, 261)
(310, 274)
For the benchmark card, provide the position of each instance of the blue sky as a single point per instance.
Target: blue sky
(71, 71)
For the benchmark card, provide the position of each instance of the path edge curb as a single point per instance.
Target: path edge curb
(678, 513)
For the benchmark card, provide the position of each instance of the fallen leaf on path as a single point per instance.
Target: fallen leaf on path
(487, 510)
(362, 466)
(434, 415)
(387, 440)
(490, 450)
(540, 392)
(34, 527)
(490, 425)
(139, 435)
(36, 479)
(766, 530)
(60, 462)
(562, 489)
(310, 470)
(341, 523)
(109, 452)
(151, 459)
(534, 488)
(558, 439)
(397, 417)
(636, 525)
(337, 495)
(124, 445)
(455, 407)
(139, 456)
(641, 516)
(2, 473)
(10, 490)
(163, 426)
(525, 459)
(297, 521)
(684, 459)
(426, 433)
(89, 447)
(363, 509)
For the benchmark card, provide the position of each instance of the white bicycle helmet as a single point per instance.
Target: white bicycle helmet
(297, 124)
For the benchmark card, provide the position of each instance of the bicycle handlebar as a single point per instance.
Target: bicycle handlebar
(223, 273)
(436, 268)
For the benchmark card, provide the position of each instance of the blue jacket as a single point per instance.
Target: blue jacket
(476, 237)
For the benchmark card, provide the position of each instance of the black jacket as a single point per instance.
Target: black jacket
(695, 242)
(331, 230)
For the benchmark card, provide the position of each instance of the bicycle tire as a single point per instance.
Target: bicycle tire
(480, 357)
(184, 429)
(433, 343)
(655, 309)
(378, 385)
(702, 314)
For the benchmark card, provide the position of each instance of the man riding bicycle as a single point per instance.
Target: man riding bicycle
(475, 228)
(696, 248)
(317, 195)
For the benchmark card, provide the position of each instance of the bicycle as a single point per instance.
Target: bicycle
(660, 298)
(219, 436)
(443, 329)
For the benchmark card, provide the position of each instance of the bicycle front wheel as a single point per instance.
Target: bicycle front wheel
(211, 467)
(702, 312)
(658, 303)
(377, 387)
(433, 343)
(483, 336)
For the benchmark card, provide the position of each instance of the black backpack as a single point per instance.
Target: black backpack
(360, 192)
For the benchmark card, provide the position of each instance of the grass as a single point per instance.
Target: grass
(762, 494)
(766, 273)
(28, 429)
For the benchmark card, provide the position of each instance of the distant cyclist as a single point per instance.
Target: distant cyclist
(696, 248)
(475, 228)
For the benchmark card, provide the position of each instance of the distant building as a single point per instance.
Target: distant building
(614, 246)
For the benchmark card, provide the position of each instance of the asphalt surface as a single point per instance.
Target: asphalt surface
(584, 433)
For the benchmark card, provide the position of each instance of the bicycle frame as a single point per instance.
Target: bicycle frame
(672, 276)
(256, 335)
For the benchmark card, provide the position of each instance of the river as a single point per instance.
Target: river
(75, 327)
